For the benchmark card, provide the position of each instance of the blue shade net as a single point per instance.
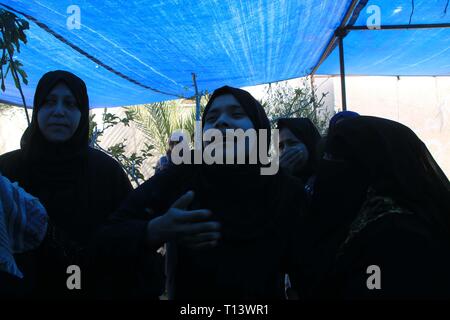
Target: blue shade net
(413, 52)
(134, 52)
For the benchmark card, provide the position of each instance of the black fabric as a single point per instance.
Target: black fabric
(79, 187)
(307, 133)
(244, 182)
(367, 157)
(245, 265)
(395, 163)
(251, 106)
(258, 214)
(413, 259)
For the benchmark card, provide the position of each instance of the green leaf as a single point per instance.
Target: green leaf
(7, 70)
(23, 74)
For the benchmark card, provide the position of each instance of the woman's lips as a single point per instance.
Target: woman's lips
(58, 125)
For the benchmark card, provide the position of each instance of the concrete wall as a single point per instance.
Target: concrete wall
(421, 103)
(13, 123)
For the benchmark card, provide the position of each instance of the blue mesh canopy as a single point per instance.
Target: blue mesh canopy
(397, 52)
(141, 51)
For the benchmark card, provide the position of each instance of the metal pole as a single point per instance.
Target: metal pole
(331, 45)
(197, 98)
(198, 127)
(313, 91)
(342, 64)
(400, 27)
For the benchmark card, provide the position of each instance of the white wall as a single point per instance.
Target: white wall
(13, 123)
(421, 103)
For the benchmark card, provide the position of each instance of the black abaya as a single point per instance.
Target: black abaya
(259, 218)
(382, 200)
(79, 187)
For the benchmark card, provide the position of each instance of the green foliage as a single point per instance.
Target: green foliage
(5, 107)
(132, 164)
(12, 31)
(158, 120)
(285, 101)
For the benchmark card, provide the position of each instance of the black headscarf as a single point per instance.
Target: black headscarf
(239, 194)
(79, 187)
(395, 163)
(382, 156)
(251, 106)
(33, 139)
(306, 131)
(257, 213)
(366, 157)
(343, 115)
(56, 172)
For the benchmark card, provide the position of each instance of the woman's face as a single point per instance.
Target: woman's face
(293, 152)
(227, 113)
(59, 116)
(288, 140)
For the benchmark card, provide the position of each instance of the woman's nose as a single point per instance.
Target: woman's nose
(222, 122)
(59, 110)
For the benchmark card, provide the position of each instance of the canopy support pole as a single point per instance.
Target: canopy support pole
(197, 98)
(198, 125)
(342, 65)
(332, 43)
(401, 27)
(313, 91)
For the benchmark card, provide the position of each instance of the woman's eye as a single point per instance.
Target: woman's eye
(50, 102)
(210, 119)
(237, 114)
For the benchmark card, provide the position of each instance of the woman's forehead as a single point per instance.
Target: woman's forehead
(61, 89)
(225, 101)
(286, 133)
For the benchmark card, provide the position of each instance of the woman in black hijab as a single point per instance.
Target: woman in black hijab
(299, 138)
(230, 229)
(79, 186)
(381, 217)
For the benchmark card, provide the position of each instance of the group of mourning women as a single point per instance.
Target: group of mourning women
(366, 196)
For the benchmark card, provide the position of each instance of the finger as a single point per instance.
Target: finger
(204, 245)
(289, 154)
(196, 228)
(288, 158)
(299, 157)
(285, 154)
(192, 216)
(184, 201)
(285, 158)
(200, 238)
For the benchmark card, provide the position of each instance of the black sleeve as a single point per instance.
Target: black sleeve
(293, 258)
(411, 266)
(11, 165)
(120, 246)
(298, 209)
